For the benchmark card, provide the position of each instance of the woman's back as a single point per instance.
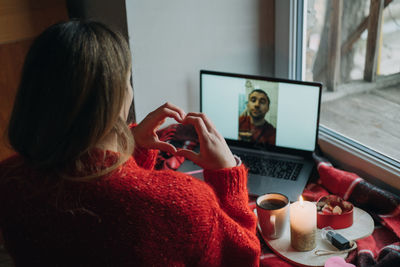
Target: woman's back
(134, 216)
(66, 202)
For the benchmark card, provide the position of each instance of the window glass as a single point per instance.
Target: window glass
(366, 112)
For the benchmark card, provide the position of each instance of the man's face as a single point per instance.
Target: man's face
(258, 105)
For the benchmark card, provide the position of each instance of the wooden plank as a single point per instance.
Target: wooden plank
(361, 86)
(391, 94)
(374, 28)
(352, 38)
(348, 44)
(368, 118)
(24, 19)
(334, 45)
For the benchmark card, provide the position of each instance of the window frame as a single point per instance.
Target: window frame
(289, 41)
(354, 156)
(341, 150)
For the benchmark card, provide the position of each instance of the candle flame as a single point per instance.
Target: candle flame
(301, 200)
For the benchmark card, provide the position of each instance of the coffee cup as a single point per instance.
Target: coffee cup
(272, 213)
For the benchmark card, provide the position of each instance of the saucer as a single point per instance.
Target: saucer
(363, 226)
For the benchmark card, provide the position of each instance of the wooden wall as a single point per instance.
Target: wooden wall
(20, 22)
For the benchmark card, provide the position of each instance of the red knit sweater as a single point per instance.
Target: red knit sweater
(135, 216)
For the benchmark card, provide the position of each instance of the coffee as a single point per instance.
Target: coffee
(272, 204)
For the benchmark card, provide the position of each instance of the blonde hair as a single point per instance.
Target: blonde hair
(73, 85)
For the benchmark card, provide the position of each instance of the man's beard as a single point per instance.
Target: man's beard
(257, 117)
(257, 120)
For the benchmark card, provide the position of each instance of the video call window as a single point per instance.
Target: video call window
(265, 112)
(258, 112)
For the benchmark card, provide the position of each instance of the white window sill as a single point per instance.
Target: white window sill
(369, 165)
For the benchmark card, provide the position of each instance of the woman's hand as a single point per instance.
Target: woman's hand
(145, 132)
(214, 152)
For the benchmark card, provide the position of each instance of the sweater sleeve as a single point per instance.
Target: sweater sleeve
(233, 240)
(145, 158)
(230, 186)
(185, 221)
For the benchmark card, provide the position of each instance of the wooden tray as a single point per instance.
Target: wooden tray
(363, 226)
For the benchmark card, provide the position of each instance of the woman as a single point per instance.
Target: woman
(75, 195)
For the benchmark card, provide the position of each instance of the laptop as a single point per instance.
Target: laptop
(270, 123)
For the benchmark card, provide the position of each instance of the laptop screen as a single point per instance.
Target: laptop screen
(264, 111)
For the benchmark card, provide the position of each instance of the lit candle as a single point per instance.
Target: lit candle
(303, 225)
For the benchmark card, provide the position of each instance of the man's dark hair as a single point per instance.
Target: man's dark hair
(262, 92)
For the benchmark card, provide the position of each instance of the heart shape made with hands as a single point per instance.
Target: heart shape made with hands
(178, 132)
(337, 261)
(181, 133)
(196, 128)
(185, 132)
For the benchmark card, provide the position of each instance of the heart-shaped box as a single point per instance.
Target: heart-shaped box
(336, 221)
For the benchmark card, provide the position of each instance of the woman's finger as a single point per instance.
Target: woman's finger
(145, 132)
(176, 108)
(188, 154)
(207, 122)
(157, 118)
(199, 126)
(173, 111)
(163, 146)
(159, 115)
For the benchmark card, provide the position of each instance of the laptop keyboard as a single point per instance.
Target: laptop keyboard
(271, 167)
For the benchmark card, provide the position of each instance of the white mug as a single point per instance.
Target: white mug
(272, 213)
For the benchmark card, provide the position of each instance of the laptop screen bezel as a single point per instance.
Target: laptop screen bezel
(238, 143)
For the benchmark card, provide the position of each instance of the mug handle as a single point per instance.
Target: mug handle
(272, 220)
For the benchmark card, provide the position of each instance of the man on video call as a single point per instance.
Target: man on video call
(252, 124)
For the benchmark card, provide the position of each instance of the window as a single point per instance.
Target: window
(364, 111)
(360, 110)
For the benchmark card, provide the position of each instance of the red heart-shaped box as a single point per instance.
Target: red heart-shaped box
(336, 221)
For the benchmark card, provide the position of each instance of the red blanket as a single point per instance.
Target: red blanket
(382, 248)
